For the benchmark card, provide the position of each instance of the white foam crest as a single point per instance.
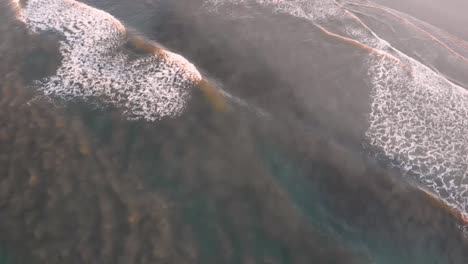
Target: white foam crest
(422, 122)
(94, 64)
(418, 117)
(311, 10)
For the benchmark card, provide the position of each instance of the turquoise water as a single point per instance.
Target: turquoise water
(202, 210)
(5, 257)
(310, 202)
(199, 208)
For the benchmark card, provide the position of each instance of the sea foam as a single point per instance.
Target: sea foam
(418, 118)
(95, 65)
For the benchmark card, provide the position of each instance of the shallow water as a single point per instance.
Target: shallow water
(295, 168)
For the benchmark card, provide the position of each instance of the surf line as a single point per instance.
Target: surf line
(463, 44)
(360, 22)
(411, 24)
(212, 93)
(155, 84)
(365, 47)
(435, 200)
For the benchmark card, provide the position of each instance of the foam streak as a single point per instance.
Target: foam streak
(411, 24)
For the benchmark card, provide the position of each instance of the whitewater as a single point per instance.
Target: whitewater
(418, 117)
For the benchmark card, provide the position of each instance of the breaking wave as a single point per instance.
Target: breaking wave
(418, 116)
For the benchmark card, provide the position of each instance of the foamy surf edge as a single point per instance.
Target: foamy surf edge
(94, 64)
(417, 116)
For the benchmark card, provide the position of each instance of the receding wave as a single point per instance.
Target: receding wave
(418, 115)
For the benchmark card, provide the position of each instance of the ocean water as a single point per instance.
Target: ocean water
(248, 131)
